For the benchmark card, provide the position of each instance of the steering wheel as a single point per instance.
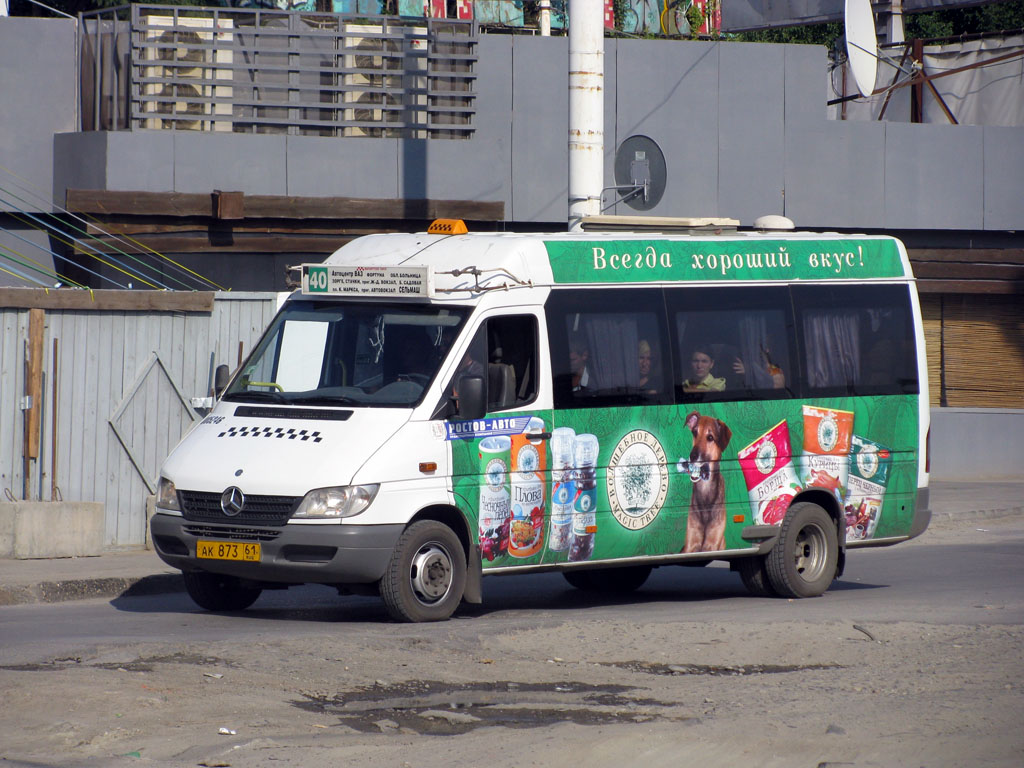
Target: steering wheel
(416, 378)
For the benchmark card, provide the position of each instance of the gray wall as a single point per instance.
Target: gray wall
(743, 127)
(972, 444)
(38, 95)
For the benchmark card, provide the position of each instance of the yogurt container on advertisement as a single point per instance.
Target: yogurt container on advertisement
(826, 458)
(584, 508)
(870, 465)
(770, 474)
(563, 487)
(493, 518)
(526, 529)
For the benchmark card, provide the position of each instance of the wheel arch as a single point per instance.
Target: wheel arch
(834, 508)
(453, 518)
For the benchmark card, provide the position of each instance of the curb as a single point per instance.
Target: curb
(84, 589)
(977, 514)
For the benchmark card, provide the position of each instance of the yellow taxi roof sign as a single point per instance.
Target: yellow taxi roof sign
(447, 227)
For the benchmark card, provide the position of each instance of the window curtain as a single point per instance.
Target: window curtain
(753, 343)
(833, 348)
(613, 352)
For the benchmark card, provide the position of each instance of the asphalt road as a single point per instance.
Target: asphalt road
(957, 573)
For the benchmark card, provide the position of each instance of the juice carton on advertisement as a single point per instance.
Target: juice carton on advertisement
(870, 465)
(768, 469)
(825, 462)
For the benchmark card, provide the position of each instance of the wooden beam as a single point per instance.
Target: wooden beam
(34, 385)
(967, 271)
(968, 255)
(109, 202)
(992, 287)
(129, 301)
(203, 243)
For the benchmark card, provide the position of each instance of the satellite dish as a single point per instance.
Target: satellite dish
(861, 44)
(640, 172)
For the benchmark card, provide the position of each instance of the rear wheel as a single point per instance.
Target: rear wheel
(217, 592)
(804, 559)
(427, 574)
(754, 573)
(615, 580)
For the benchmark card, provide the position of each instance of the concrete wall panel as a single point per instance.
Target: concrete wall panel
(138, 160)
(1004, 178)
(934, 177)
(835, 174)
(252, 163)
(669, 92)
(342, 167)
(751, 114)
(540, 130)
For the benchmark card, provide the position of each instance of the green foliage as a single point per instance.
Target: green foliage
(812, 34)
(994, 17)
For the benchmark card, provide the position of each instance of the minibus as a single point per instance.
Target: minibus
(431, 408)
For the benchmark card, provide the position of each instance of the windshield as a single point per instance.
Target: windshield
(333, 353)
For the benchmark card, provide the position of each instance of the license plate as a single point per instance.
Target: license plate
(228, 550)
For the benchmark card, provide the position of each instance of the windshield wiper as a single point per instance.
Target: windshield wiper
(325, 400)
(257, 397)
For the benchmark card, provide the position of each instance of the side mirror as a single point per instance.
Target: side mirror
(472, 397)
(220, 379)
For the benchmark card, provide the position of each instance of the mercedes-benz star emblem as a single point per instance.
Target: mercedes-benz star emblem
(232, 501)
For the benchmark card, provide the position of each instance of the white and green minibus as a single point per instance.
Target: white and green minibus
(432, 408)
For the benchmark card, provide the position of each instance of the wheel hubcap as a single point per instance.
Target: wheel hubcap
(431, 573)
(809, 552)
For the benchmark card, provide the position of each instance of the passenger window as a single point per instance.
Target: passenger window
(731, 344)
(857, 340)
(605, 350)
(504, 352)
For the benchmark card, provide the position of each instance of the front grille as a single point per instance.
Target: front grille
(202, 507)
(233, 533)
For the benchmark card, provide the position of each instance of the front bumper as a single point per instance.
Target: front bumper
(290, 554)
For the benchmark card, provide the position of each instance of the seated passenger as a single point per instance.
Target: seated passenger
(771, 371)
(701, 380)
(645, 364)
(579, 353)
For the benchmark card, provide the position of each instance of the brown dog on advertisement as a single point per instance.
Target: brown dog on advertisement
(705, 526)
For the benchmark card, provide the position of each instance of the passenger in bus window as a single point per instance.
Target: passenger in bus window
(767, 371)
(645, 362)
(579, 353)
(701, 378)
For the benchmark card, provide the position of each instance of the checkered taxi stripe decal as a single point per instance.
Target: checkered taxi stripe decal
(278, 432)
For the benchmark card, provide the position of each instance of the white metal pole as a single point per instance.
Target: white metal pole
(545, 18)
(586, 109)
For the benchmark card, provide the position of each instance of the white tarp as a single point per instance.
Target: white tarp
(991, 94)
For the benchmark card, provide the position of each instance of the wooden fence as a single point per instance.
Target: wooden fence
(95, 389)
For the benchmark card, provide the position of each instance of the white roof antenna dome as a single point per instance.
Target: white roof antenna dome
(773, 222)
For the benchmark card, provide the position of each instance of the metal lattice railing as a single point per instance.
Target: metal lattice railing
(260, 71)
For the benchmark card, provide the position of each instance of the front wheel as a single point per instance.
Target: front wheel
(217, 592)
(427, 574)
(803, 561)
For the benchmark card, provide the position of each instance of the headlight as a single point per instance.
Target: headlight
(167, 495)
(341, 501)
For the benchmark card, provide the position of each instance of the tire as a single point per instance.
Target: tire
(427, 574)
(754, 573)
(217, 592)
(613, 580)
(803, 561)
